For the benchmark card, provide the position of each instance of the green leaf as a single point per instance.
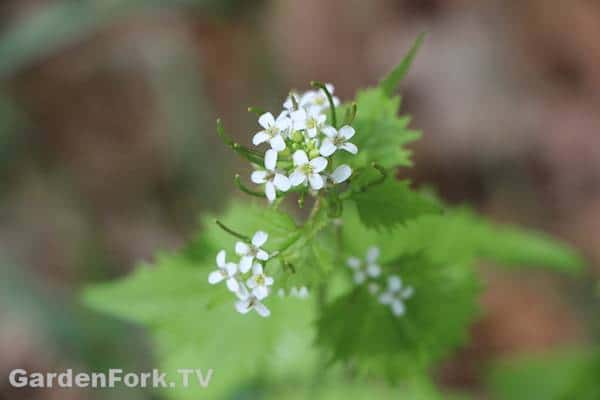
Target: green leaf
(152, 294)
(392, 203)
(356, 329)
(390, 83)
(380, 133)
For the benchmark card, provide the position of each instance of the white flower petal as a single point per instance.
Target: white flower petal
(398, 308)
(299, 118)
(246, 264)
(260, 292)
(353, 262)
(359, 277)
(329, 131)
(318, 164)
(386, 298)
(262, 255)
(349, 147)
(251, 282)
(257, 269)
(259, 238)
(277, 143)
(243, 306)
(373, 270)
(270, 191)
(259, 177)
(241, 248)
(231, 268)
(346, 132)
(312, 132)
(221, 258)
(266, 120)
(316, 181)
(260, 137)
(233, 285)
(269, 281)
(341, 173)
(283, 122)
(330, 87)
(262, 310)
(327, 147)
(394, 283)
(303, 292)
(408, 292)
(297, 178)
(215, 277)
(270, 159)
(372, 254)
(300, 158)
(242, 292)
(281, 182)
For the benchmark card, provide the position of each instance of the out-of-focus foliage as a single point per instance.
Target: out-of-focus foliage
(563, 375)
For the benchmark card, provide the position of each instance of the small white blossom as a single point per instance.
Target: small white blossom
(272, 178)
(225, 271)
(259, 282)
(249, 252)
(301, 293)
(395, 295)
(312, 120)
(335, 140)
(248, 303)
(308, 170)
(370, 269)
(302, 99)
(274, 130)
(340, 174)
(318, 98)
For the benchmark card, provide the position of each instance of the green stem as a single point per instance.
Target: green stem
(232, 232)
(322, 86)
(246, 190)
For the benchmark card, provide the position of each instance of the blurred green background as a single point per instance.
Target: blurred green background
(108, 152)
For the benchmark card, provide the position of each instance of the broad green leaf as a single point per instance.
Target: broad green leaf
(380, 133)
(390, 83)
(357, 329)
(391, 203)
(152, 294)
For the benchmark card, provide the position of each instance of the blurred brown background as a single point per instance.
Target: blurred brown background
(108, 151)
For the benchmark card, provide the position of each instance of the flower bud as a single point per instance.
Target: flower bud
(297, 137)
(314, 153)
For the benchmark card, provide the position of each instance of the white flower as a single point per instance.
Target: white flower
(271, 178)
(312, 120)
(373, 269)
(318, 98)
(274, 130)
(308, 170)
(395, 295)
(226, 271)
(340, 174)
(249, 252)
(248, 303)
(370, 270)
(302, 99)
(337, 140)
(259, 283)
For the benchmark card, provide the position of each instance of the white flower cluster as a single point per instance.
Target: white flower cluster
(394, 293)
(301, 131)
(247, 278)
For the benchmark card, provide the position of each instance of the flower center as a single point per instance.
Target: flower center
(338, 140)
(311, 123)
(260, 280)
(306, 169)
(272, 130)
